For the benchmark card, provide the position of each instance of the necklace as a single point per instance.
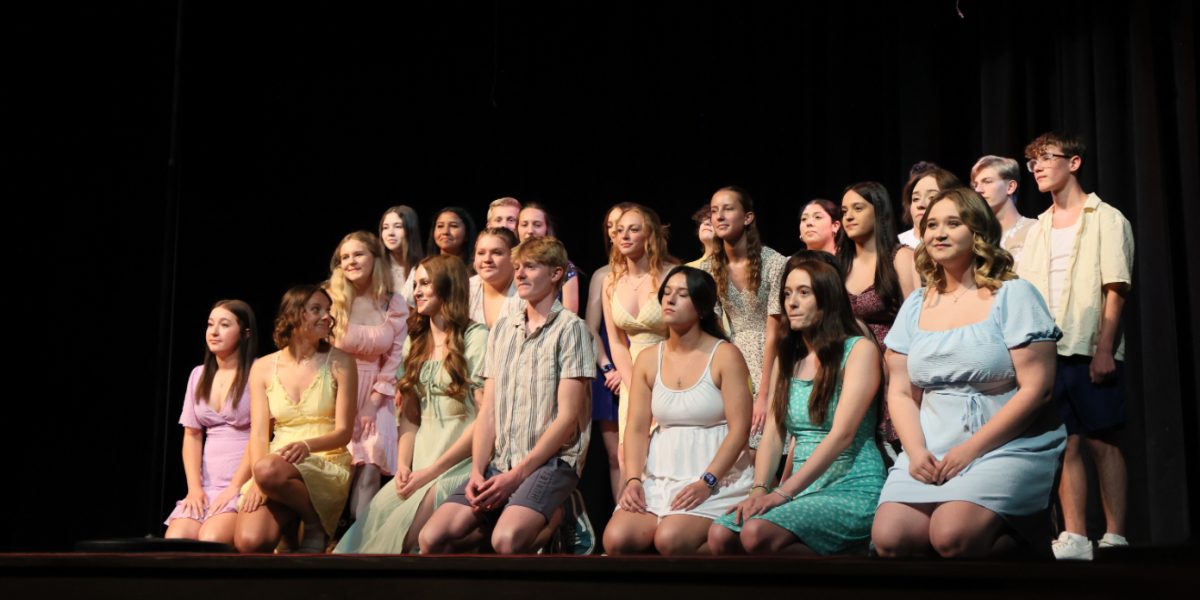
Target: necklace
(641, 280)
(960, 294)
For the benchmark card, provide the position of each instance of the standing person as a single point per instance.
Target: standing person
(452, 232)
(441, 385)
(216, 422)
(638, 262)
(301, 417)
(925, 180)
(533, 425)
(535, 221)
(971, 366)
(504, 212)
(401, 235)
(608, 380)
(696, 464)
(820, 222)
(704, 233)
(879, 271)
(368, 324)
(1080, 257)
(995, 178)
(824, 397)
(748, 275)
(492, 286)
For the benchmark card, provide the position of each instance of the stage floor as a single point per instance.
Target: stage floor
(175, 576)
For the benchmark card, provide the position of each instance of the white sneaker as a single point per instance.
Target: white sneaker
(1112, 540)
(1071, 546)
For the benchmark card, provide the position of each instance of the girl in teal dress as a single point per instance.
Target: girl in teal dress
(823, 394)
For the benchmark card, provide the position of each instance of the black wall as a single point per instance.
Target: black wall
(292, 125)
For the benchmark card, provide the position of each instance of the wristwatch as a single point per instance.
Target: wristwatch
(608, 368)
(710, 480)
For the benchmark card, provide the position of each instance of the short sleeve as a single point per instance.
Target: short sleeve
(187, 417)
(476, 341)
(576, 352)
(773, 275)
(899, 339)
(1023, 316)
(1116, 247)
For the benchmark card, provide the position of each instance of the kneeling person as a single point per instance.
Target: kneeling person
(532, 427)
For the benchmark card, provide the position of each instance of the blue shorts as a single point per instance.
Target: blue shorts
(1086, 407)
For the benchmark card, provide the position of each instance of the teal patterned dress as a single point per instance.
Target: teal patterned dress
(834, 514)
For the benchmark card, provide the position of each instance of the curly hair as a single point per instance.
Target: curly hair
(720, 263)
(342, 293)
(290, 314)
(657, 253)
(1070, 144)
(448, 275)
(993, 264)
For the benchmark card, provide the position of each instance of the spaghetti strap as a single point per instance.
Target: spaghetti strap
(711, 354)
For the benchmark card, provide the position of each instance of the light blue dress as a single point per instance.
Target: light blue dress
(967, 375)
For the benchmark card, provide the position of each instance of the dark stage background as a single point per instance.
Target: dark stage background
(202, 150)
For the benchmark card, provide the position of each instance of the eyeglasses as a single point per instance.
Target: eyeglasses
(1044, 157)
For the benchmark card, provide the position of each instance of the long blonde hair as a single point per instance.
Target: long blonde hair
(993, 264)
(657, 253)
(342, 293)
(448, 275)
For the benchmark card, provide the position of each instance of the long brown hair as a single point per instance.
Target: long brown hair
(720, 262)
(827, 335)
(413, 251)
(247, 349)
(289, 316)
(450, 282)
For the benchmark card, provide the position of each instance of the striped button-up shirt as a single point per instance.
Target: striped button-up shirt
(526, 369)
(1102, 254)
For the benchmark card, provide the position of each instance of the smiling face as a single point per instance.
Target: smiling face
(534, 280)
(356, 262)
(315, 321)
(678, 310)
(799, 301)
(947, 238)
(858, 216)
(532, 223)
(493, 259)
(450, 234)
(817, 227)
(424, 296)
(504, 216)
(729, 218)
(922, 194)
(392, 232)
(223, 333)
(631, 235)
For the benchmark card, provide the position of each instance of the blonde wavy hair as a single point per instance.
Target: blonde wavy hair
(657, 253)
(993, 264)
(719, 263)
(342, 293)
(448, 275)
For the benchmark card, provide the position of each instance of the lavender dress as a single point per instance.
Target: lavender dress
(225, 436)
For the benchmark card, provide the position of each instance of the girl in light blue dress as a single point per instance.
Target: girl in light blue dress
(971, 363)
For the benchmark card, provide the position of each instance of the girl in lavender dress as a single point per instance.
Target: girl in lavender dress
(216, 421)
(370, 325)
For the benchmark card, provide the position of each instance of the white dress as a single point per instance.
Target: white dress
(691, 427)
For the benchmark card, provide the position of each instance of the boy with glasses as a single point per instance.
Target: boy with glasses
(1080, 257)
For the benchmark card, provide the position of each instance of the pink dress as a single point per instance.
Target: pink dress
(225, 436)
(378, 351)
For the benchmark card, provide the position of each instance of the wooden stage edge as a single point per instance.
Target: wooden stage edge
(180, 576)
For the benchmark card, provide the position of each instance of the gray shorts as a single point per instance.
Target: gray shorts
(545, 490)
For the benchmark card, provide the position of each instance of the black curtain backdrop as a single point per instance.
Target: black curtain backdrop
(292, 125)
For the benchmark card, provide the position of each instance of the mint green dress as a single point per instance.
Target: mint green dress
(385, 523)
(834, 514)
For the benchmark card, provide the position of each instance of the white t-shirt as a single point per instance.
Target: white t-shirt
(1062, 242)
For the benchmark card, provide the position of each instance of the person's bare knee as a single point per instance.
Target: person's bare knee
(723, 540)
(270, 472)
(757, 537)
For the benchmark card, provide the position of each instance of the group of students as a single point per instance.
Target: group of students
(904, 379)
